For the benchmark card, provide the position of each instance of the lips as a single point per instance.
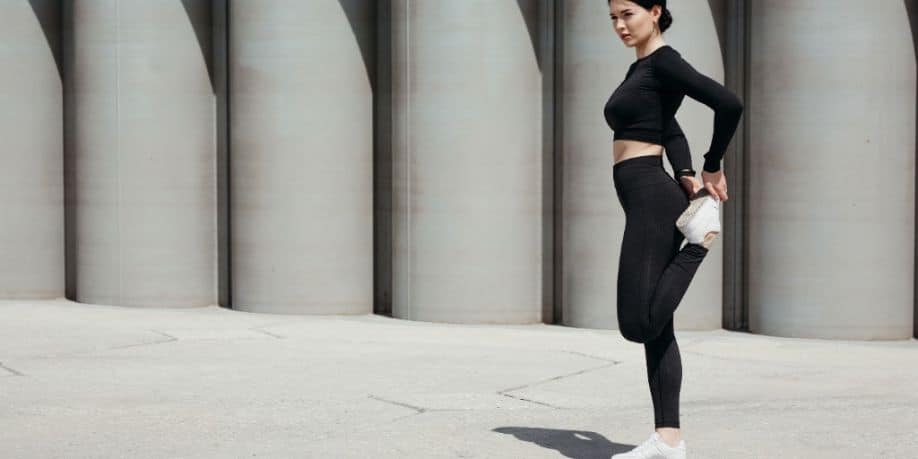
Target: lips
(626, 36)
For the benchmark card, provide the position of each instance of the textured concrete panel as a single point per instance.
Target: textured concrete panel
(301, 163)
(467, 158)
(141, 152)
(31, 159)
(832, 170)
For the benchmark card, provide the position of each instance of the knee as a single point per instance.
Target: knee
(633, 332)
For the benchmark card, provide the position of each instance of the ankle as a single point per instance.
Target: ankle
(709, 239)
(670, 435)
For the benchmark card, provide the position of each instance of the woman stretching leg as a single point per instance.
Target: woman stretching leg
(654, 273)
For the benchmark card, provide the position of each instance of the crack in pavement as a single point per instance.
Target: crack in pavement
(592, 356)
(260, 330)
(747, 359)
(505, 393)
(401, 404)
(11, 370)
(516, 397)
(555, 378)
(169, 339)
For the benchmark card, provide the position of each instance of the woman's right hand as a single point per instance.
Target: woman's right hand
(715, 183)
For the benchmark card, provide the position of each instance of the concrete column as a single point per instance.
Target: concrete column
(140, 152)
(594, 62)
(467, 157)
(301, 131)
(31, 160)
(831, 170)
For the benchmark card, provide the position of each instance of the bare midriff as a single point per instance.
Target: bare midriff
(626, 149)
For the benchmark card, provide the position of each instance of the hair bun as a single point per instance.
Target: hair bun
(666, 19)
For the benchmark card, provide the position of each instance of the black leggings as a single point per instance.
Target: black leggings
(653, 274)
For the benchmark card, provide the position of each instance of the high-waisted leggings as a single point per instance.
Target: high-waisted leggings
(654, 274)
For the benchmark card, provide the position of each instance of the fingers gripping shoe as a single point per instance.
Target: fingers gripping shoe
(654, 448)
(700, 218)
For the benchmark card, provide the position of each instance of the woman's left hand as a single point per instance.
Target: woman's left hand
(690, 185)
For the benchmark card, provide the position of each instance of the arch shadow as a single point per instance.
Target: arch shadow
(361, 15)
(719, 13)
(530, 10)
(49, 14)
(200, 16)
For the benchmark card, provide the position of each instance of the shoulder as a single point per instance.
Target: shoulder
(668, 60)
(667, 54)
(667, 49)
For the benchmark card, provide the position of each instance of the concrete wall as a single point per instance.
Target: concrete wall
(140, 152)
(301, 182)
(447, 161)
(467, 183)
(31, 161)
(831, 170)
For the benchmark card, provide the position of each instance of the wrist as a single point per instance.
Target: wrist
(711, 165)
(685, 173)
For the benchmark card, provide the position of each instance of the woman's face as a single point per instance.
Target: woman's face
(633, 23)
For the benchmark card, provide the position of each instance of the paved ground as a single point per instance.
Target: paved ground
(97, 381)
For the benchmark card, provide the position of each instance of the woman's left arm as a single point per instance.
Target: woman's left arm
(677, 149)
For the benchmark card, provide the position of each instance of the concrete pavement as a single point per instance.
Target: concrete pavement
(81, 381)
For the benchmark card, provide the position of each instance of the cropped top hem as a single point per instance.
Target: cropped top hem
(644, 135)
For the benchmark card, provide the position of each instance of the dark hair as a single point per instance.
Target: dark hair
(666, 18)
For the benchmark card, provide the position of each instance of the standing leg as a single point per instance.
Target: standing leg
(654, 274)
(664, 375)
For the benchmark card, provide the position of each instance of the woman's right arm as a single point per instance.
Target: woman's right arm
(679, 75)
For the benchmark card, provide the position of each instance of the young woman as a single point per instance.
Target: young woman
(654, 272)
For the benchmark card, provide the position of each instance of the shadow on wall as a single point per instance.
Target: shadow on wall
(200, 16)
(48, 15)
(719, 13)
(530, 10)
(911, 8)
(362, 19)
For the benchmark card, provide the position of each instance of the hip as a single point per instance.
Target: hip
(641, 182)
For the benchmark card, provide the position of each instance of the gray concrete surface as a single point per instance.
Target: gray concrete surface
(140, 153)
(467, 181)
(819, 115)
(31, 142)
(82, 380)
(301, 142)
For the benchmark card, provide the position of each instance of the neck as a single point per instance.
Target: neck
(649, 46)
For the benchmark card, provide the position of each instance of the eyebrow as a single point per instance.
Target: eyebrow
(623, 11)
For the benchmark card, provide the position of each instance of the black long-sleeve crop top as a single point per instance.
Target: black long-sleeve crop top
(644, 105)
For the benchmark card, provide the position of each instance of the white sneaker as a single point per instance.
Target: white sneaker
(700, 218)
(654, 448)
